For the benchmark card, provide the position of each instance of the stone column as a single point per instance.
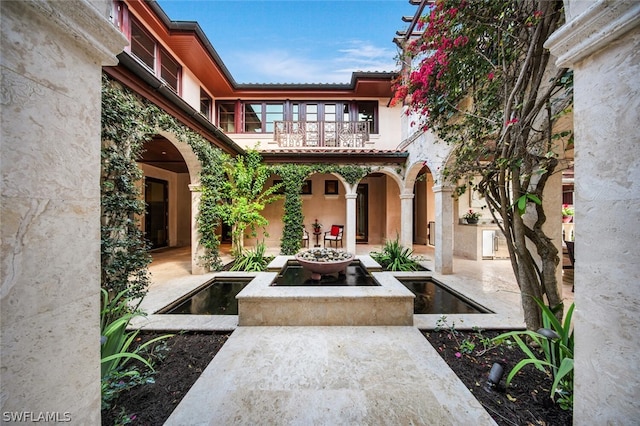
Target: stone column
(601, 42)
(406, 220)
(350, 236)
(52, 54)
(197, 251)
(444, 229)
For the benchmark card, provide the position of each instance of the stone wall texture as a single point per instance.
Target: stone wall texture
(52, 54)
(601, 42)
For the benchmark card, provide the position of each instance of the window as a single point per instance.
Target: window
(205, 104)
(367, 111)
(160, 62)
(331, 187)
(169, 70)
(252, 118)
(227, 116)
(306, 187)
(259, 117)
(143, 46)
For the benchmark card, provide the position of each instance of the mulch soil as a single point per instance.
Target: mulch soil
(525, 402)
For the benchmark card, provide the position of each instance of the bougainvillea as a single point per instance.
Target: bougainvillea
(483, 82)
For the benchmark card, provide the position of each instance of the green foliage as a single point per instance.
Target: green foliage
(124, 255)
(293, 176)
(395, 257)
(245, 195)
(252, 260)
(127, 122)
(115, 348)
(483, 82)
(555, 354)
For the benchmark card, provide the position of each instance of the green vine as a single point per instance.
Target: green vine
(128, 121)
(293, 176)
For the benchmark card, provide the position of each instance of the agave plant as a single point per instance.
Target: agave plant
(252, 260)
(395, 257)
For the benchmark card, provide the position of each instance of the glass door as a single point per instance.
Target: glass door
(157, 214)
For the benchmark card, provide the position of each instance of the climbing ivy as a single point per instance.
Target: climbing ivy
(128, 121)
(293, 176)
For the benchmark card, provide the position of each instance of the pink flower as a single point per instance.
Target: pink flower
(458, 355)
(512, 121)
(490, 76)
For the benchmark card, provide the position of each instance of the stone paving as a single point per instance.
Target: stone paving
(332, 375)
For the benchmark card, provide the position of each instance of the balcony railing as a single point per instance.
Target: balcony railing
(319, 134)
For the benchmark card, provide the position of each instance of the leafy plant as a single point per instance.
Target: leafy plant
(479, 77)
(245, 196)
(115, 348)
(395, 257)
(567, 210)
(252, 260)
(293, 175)
(128, 121)
(555, 342)
(471, 215)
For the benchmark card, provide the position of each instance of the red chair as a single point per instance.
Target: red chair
(334, 235)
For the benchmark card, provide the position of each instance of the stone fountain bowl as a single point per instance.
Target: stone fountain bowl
(324, 261)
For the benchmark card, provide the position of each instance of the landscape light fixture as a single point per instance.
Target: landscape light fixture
(548, 333)
(494, 376)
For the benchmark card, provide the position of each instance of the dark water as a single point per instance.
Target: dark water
(432, 298)
(218, 298)
(296, 275)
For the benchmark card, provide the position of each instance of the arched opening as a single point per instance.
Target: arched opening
(378, 209)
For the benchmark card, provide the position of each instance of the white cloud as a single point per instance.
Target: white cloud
(304, 66)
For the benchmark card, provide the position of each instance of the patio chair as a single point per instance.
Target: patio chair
(305, 237)
(334, 235)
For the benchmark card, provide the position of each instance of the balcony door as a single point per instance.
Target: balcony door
(157, 214)
(362, 213)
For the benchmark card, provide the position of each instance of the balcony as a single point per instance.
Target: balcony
(321, 134)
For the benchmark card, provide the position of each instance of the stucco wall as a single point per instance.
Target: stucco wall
(52, 54)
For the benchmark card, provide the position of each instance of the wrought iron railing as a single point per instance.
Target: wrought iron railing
(321, 134)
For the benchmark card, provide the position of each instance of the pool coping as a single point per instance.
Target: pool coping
(505, 304)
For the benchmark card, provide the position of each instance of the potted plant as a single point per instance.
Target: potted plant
(471, 217)
(567, 213)
(316, 227)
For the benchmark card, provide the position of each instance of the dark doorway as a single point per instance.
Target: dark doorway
(157, 215)
(362, 213)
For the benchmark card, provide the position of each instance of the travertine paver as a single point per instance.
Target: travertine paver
(328, 376)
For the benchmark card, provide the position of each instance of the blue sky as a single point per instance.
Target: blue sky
(298, 41)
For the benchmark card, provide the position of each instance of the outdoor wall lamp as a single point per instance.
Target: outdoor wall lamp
(494, 376)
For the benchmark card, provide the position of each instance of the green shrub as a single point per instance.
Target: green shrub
(115, 348)
(395, 257)
(555, 348)
(252, 260)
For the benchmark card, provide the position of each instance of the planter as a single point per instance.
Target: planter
(471, 221)
(324, 267)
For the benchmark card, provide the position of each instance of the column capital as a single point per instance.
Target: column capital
(592, 30)
(442, 188)
(350, 196)
(407, 196)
